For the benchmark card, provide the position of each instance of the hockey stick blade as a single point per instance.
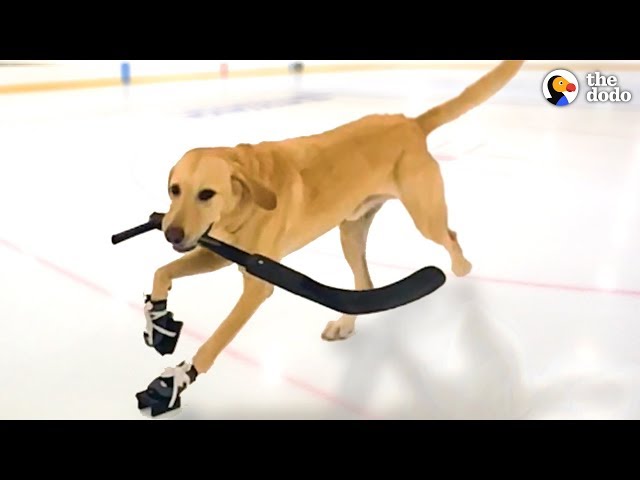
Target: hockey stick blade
(352, 302)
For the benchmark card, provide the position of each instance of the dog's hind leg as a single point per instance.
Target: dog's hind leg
(422, 193)
(353, 238)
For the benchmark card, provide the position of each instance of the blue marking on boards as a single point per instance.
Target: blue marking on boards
(125, 73)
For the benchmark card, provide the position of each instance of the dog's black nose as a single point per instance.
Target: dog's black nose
(174, 235)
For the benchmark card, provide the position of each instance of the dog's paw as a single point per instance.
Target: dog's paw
(462, 268)
(340, 329)
(162, 331)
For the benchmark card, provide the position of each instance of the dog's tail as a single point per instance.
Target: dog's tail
(472, 96)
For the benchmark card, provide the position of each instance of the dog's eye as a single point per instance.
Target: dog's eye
(206, 194)
(175, 190)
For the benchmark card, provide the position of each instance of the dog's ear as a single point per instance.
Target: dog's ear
(261, 195)
(169, 179)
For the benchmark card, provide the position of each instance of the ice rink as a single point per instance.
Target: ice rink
(545, 200)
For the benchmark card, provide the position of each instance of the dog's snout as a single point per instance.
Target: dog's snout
(174, 235)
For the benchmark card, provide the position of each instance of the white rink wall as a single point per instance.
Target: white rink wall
(37, 71)
(33, 72)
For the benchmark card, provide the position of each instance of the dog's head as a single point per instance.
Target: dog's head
(205, 188)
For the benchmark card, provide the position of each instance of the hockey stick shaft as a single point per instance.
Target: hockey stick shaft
(353, 302)
(154, 223)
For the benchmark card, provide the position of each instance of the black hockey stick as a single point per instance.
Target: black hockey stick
(354, 302)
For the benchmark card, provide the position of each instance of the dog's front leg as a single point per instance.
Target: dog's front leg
(162, 331)
(163, 393)
(196, 262)
(254, 293)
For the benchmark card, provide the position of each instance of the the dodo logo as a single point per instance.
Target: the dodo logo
(560, 87)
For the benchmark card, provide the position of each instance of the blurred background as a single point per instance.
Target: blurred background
(25, 75)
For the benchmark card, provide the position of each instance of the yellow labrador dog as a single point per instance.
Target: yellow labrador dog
(275, 197)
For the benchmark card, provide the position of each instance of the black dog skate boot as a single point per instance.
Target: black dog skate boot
(162, 332)
(163, 394)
